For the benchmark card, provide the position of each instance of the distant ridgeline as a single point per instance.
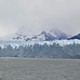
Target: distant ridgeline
(37, 50)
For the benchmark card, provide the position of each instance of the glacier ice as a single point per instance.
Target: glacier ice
(13, 44)
(41, 49)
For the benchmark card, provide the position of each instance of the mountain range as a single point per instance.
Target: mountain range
(53, 34)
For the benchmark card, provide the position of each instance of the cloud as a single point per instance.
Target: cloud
(39, 15)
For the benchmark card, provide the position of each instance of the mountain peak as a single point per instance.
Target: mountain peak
(76, 36)
(58, 34)
(43, 32)
(44, 36)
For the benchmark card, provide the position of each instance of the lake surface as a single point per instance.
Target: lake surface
(39, 69)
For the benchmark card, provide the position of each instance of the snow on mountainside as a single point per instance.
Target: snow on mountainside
(58, 34)
(75, 37)
(53, 34)
(44, 36)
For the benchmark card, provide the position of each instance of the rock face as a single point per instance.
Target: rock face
(75, 37)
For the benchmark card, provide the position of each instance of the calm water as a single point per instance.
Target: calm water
(39, 69)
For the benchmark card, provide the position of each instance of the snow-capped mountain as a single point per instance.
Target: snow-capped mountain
(58, 34)
(44, 36)
(53, 34)
(75, 37)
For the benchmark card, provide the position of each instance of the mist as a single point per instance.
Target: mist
(39, 15)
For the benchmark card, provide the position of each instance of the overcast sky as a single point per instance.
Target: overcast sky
(38, 15)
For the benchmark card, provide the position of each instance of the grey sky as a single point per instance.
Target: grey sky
(38, 15)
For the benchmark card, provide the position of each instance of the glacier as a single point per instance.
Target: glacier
(13, 44)
(69, 49)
